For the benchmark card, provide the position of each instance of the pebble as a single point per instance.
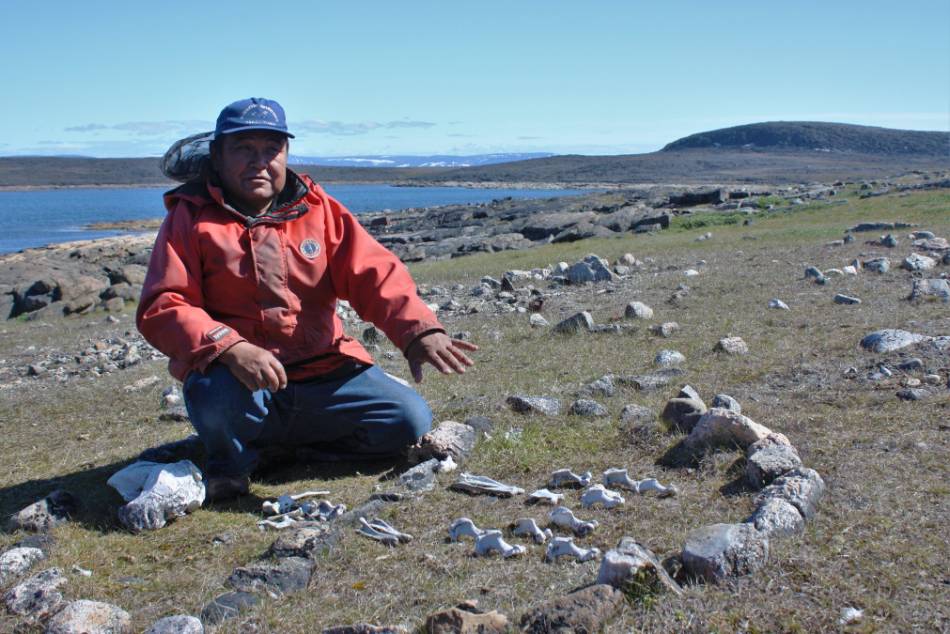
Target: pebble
(537, 321)
(850, 616)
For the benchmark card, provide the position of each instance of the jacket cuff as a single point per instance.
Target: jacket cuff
(228, 340)
(421, 328)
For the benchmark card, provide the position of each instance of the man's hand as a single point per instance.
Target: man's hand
(255, 367)
(441, 351)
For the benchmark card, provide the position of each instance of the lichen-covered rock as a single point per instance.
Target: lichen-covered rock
(720, 551)
(586, 610)
(878, 265)
(90, 617)
(638, 310)
(917, 262)
(17, 560)
(53, 510)
(37, 597)
(669, 358)
(587, 408)
(543, 405)
(283, 576)
(803, 488)
(449, 440)
(459, 621)
(935, 288)
(575, 323)
(766, 463)
(305, 541)
(178, 624)
(777, 518)
(683, 413)
(725, 401)
(227, 606)
(634, 568)
(732, 345)
(890, 339)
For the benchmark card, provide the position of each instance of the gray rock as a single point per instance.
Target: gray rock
(283, 576)
(537, 321)
(543, 405)
(777, 518)
(724, 401)
(766, 462)
(604, 386)
(466, 619)
(683, 413)
(587, 408)
(936, 288)
(803, 488)
(669, 358)
(90, 617)
(37, 597)
(178, 624)
(889, 340)
(911, 365)
(841, 298)
(666, 329)
(688, 391)
(725, 428)
(17, 560)
(721, 551)
(420, 477)
(53, 510)
(575, 323)
(912, 394)
(650, 382)
(638, 310)
(878, 265)
(633, 413)
(778, 304)
(633, 568)
(227, 606)
(889, 241)
(366, 628)
(732, 345)
(586, 610)
(917, 262)
(304, 541)
(591, 269)
(813, 272)
(482, 424)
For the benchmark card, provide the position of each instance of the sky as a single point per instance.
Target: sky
(115, 79)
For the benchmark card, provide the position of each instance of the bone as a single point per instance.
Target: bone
(544, 496)
(564, 517)
(477, 484)
(529, 528)
(288, 502)
(464, 527)
(565, 547)
(382, 532)
(491, 542)
(323, 511)
(618, 478)
(598, 494)
(565, 478)
(652, 484)
(157, 493)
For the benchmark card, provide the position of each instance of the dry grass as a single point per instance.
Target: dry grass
(878, 542)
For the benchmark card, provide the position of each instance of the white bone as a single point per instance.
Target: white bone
(543, 496)
(323, 511)
(464, 527)
(618, 478)
(482, 484)
(652, 484)
(528, 527)
(447, 465)
(565, 547)
(564, 517)
(284, 522)
(157, 492)
(382, 532)
(567, 478)
(288, 501)
(598, 494)
(491, 541)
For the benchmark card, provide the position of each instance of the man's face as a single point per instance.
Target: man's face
(252, 167)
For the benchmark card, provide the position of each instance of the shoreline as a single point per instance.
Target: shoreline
(395, 183)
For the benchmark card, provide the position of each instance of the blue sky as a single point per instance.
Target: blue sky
(381, 77)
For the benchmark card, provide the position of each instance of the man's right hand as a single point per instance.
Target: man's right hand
(255, 367)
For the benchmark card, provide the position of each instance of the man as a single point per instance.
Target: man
(241, 295)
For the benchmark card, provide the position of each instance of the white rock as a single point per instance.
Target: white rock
(15, 561)
(917, 262)
(157, 492)
(638, 310)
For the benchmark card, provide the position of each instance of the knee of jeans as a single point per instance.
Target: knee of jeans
(214, 398)
(415, 420)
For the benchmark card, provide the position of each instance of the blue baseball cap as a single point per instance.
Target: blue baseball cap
(255, 113)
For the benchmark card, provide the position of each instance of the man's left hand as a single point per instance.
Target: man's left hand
(443, 352)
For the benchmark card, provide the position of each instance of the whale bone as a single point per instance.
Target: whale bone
(565, 547)
(528, 527)
(492, 541)
(383, 532)
(464, 527)
(470, 483)
(564, 517)
(544, 496)
(568, 479)
(598, 494)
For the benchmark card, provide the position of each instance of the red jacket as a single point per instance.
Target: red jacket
(217, 277)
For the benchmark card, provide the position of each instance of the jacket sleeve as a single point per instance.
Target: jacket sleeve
(374, 281)
(171, 314)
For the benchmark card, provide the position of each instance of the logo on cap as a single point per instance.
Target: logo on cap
(310, 248)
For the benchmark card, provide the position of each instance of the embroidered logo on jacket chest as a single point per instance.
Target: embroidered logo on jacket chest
(310, 248)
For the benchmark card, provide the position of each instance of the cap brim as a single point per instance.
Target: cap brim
(254, 127)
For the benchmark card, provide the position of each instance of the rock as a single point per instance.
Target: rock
(178, 624)
(889, 340)
(688, 391)
(813, 272)
(778, 304)
(932, 244)
(777, 518)
(917, 262)
(765, 463)
(604, 386)
(537, 321)
(841, 298)
(543, 405)
(479, 423)
(90, 617)
(458, 621)
(634, 413)
(683, 413)
(285, 576)
(53, 510)
(157, 493)
(651, 382)
(721, 551)
(937, 288)
(669, 358)
(420, 477)
(666, 329)
(878, 265)
(591, 269)
(850, 270)
(582, 611)
(703, 197)
(227, 606)
(17, 560)
(638, 310)
(366, 628)
(732, 345)
(850, 616)
(449, 439)
(587, 408)
(576, 323)
(911, 364)
(724, 401)
(37, 597)
(889, 241)
(635, 570)
(912, 394)
(802, 488)
(724, 428)
(304, 541)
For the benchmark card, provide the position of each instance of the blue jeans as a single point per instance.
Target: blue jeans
(361, 414)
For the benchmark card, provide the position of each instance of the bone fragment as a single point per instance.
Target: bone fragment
(492, 541)
(528, 527)
(564, 517)
(476, 484)
(382, 532)
(464, 527)
(544, 496)
(599, 494)
(157, 492)
(652, 484)
(565, 547)
(568, 479)
(618, 478)
(288, 501)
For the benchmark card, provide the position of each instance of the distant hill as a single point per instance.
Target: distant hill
(819, 136)
(404, 160)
